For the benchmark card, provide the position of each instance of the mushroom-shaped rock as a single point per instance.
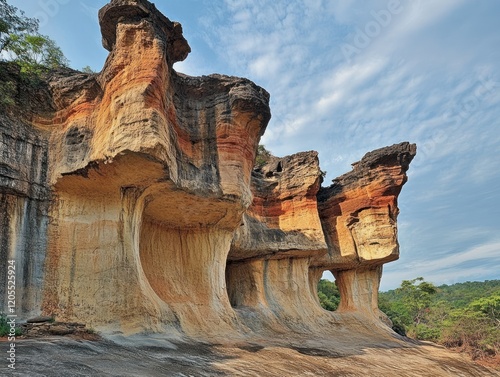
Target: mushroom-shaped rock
(358, 213)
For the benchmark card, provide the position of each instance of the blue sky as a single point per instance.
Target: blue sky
(350, 76)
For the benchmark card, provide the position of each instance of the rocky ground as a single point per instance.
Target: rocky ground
(47, 326)
(153, 355)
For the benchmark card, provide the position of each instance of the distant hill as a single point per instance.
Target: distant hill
(457, 295)
(462, 294)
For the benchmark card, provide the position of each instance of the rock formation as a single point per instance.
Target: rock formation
(132, 202)
(359, 213)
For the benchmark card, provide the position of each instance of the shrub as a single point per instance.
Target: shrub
(5, 327)
(263, 156)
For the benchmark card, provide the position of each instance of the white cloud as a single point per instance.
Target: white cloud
(421, 14)
(346, 79)
(478, 263)
(413, 81)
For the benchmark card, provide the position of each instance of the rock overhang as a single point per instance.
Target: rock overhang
(134, 11)
(157, 208)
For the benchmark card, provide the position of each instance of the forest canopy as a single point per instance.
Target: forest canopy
(464, 316)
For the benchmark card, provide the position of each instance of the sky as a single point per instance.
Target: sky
(350, 76)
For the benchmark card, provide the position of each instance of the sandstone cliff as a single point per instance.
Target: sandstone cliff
(359, 213)
(131, 202)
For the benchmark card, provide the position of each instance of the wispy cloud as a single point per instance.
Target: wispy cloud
(477, 263)
(420, 77)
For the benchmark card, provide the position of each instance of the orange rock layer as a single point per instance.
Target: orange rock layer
(133, 202)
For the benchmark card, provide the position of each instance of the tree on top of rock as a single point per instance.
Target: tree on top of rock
(21, 42)
(263, 156)
(13, 22)
(37, 53)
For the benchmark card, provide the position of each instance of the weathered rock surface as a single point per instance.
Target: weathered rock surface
(161, 173)
(359, 210)
(38, 328)
(154, 356)
(268, 279)
(359, 213)
(283, 218)
(131, 203)
(24, 196)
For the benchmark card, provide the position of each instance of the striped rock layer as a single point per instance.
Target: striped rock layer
(132, 202)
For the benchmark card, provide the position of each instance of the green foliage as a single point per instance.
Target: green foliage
(87, 69)
(397, 312)
(417, 297)
(20, 40)
(464, 316)
(489, 306)
(5, 327)
(473, 331)
(36, 53)
(13, 22)
(7, 93)
(263, 155)
(462, 294)
(424, 331)
(328, 294)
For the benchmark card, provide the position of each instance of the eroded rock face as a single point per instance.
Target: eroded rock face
(359, 210)
(359, 213)
(268, 266)
(24, 203)
(149, 173)
(133, 203)
(283, 218)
